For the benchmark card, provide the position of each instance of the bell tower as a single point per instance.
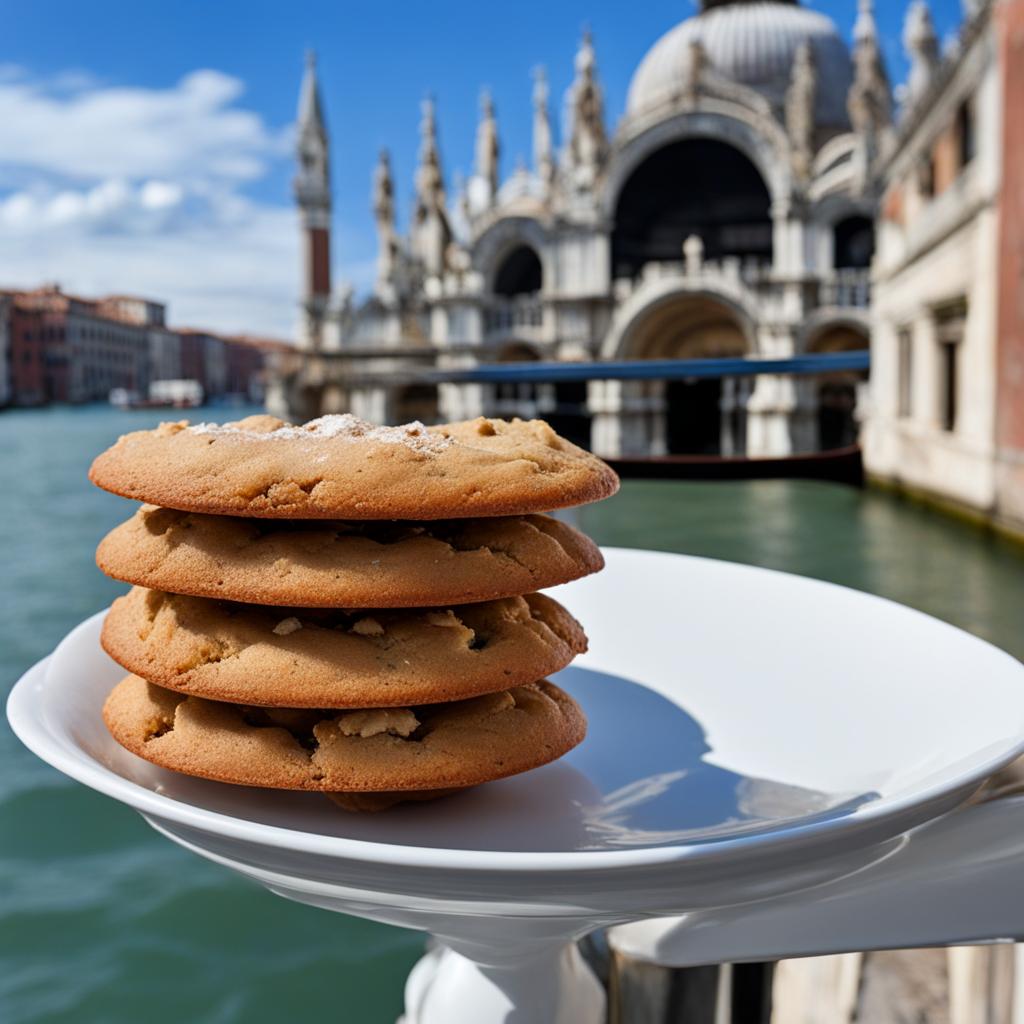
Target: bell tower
(312, 187)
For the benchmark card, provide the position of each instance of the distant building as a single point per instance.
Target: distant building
(5, 353)
(730, 213)
(63, 348)
(69, 349)
(947, 415)
(36, 353)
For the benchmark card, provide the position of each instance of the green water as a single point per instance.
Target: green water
(103, 921)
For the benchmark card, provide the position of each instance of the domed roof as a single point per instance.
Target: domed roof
(752, 42)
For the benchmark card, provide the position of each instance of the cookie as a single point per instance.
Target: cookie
(340, 467)
(371, 803)
(299, 658)
(442, 746)
(354, 564)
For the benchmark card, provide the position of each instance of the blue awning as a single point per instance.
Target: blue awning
(650, 369)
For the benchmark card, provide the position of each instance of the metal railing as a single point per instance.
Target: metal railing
(848, 287)
(650, 369)
(505, 316)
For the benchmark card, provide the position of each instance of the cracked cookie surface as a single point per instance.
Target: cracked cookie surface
(354, 564)
(454, 745)
(291, 657)
(339, 467)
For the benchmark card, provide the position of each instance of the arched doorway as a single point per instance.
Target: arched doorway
(853, 243)
(509, 399)
(520, 273)
(692, 187)
(702, 415)
(515, 304)
(569, 415)
(415, 402)
(837, 393)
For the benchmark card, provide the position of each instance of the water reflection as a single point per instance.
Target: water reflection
(657, 788)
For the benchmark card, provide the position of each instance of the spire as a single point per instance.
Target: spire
(311, 117)
(312, 187)
(488, 148)
(922, 47)
(383, 191)
(384, 215)
(869, 101)
(800, 100)
(864, 28)
(429, 177)
(431, 233)
(587, 141)
(463, 218)
(312, 183)
(543, 148)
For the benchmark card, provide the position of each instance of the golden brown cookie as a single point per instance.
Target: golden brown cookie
(443, 746)
(313, 658)
(371, 803)
(356, 564)
(340, 467)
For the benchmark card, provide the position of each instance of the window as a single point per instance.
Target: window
(926, 176)
(947, 397)
(853, 242)
(905, 371)
(965, 134)
(949, 333)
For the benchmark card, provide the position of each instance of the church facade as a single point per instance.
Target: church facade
(731, 212)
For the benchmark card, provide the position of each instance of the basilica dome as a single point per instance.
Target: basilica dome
(753, 42)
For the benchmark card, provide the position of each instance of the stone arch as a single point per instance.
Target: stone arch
(762, 143)
(853, 242)
(692, 187)
(501, 239)
(513, 398)
(634, 318)
(517, 352)
(415, 402)
(836, 395)
(829, 212)
(700, 416)
(829, 331)
(520, 272)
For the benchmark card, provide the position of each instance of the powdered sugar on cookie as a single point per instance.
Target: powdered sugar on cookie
(344, 426)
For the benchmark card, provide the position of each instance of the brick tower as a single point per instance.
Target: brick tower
(313, 195)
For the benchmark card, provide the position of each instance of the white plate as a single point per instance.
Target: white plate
(733, 712)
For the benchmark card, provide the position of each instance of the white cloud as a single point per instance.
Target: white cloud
(189, 132)
(130, 189)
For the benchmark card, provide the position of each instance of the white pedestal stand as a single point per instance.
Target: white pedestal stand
(732, 764)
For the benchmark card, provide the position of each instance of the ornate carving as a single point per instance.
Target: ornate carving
(922, 47)
(431, 233)
(869, 102)
(588, 143)
(697, 64)
(312, 183)
(488, 148)
(800, 100)
(312, 187)
(543, 147)
(384, 215)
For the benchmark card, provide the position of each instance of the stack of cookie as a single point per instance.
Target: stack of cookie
(346, 608)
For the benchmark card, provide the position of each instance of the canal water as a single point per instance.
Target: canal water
(103, 921)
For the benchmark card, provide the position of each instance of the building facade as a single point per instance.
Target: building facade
(947, 414)
(56, 347)
(730, 213)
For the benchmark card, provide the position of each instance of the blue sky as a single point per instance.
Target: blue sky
(147, 146)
